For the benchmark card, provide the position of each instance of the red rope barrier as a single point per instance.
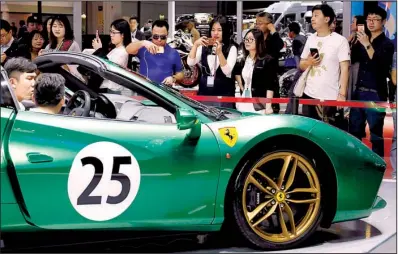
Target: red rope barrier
(352, 104)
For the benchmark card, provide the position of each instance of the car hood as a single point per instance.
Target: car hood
(252, 128)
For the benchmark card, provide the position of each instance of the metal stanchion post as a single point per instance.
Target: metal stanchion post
(295, 105)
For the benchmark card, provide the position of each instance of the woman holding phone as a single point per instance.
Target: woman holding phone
(217, 56)
(116, 52)
(258, 74)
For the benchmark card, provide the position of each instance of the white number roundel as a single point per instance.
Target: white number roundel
(103, 181)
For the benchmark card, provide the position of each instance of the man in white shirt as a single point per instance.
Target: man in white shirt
(22, 74)
(328, 77)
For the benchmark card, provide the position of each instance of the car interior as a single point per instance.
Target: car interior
(86, 99)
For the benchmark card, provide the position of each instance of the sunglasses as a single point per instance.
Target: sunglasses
(157, 37)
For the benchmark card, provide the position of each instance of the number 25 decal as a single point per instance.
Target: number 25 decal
(86, 199)
(109, 190)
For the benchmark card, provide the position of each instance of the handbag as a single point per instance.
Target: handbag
(301, 83)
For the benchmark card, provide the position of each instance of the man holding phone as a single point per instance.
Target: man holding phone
(158, 61)
(375, 58)
(328, 55)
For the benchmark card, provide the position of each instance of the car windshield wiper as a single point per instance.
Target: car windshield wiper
(193, 103)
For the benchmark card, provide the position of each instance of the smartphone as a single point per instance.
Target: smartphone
(314, 51)
(211, 42)
(97, 35)
(160, 50)
(361, 28)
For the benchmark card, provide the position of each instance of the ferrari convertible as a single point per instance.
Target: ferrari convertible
(149, 158)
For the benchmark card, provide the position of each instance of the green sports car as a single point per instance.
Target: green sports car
(150, 158)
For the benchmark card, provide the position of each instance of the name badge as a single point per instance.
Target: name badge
(210, 81)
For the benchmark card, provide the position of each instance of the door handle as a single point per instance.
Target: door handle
(39, 158)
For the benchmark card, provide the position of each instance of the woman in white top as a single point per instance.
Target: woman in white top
(217, 57)
(120, 38)
(257, 73)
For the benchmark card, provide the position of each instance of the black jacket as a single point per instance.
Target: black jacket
(139, 35)
(373, 73)
(12, 51)
(264, 76)
(273, 46)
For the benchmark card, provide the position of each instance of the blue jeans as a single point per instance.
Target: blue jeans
(374, 118)
(393, 152)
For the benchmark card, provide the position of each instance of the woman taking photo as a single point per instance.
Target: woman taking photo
(258, 74)
(217, 57)
(116, 52)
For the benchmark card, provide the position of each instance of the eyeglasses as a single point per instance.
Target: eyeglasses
(113, 32)
(157, 37)
(248, 40)
(373, 20)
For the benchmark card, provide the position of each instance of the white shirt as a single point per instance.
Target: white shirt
(215, 62)
(7, 46)
(323, 80)
(74, 47)
(119, 56)
(21, 106)
(247, 73)
(38, 110)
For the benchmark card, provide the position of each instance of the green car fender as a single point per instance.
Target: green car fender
(248, 132)
(359, 171)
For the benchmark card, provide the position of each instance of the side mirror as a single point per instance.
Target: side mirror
(187, 120)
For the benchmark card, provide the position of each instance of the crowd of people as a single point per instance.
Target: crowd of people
(330, 66)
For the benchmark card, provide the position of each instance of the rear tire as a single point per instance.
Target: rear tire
(280, 207)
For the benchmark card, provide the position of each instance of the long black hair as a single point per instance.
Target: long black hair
(260, 46)
(123, 27)
(68, 30)
(30, 38)
(227, 30)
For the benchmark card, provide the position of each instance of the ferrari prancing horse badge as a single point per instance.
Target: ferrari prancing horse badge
(229, 135)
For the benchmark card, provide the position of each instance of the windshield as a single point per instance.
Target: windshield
(276, 16)
(211, 112)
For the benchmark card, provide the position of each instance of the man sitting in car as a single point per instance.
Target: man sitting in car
(49, 93)
(21, 73)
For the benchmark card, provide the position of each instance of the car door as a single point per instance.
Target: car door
(8, 104)
(77, 172)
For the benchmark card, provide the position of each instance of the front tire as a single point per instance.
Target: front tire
(277, 200)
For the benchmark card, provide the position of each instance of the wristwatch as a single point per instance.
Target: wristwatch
(368, 47)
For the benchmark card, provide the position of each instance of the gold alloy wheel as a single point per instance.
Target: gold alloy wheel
(278, 197)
